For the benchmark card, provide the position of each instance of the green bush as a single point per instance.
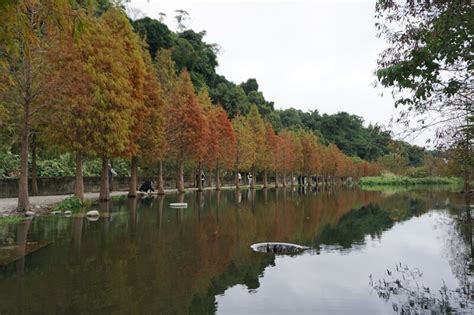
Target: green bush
(417, 172)
(57, 167)
(70, 203)
(11, 219)
(9, 164)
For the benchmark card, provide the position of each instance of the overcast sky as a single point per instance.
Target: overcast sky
(310, 55)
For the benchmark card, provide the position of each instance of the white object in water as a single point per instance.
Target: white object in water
(92, 219)
(92, 213)
(179, 205)
(262, 247)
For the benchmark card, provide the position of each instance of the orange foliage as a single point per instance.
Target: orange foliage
(186, 123)
(222, 143)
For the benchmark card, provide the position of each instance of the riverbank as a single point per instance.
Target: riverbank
(42, 204)
(408, 181)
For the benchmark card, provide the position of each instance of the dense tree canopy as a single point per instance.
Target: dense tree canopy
(428, 65)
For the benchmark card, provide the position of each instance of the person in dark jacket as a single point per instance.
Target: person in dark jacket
(147, 186)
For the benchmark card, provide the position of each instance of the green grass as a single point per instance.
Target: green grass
(71, 203)
(13, 219)
(408, 181)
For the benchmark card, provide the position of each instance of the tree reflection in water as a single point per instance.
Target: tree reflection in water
(409, 296)
(403, 284)
(143, 257)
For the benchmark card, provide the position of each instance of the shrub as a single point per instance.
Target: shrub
(404, 180)
(70, 203)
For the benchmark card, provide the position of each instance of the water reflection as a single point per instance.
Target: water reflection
(141, 256)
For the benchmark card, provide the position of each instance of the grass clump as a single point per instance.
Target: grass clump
(408, 181)
(119, 198)
(71, 203)
(14, 219)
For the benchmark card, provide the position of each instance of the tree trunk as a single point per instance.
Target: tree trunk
(132, 188)
(309, 181)
(34, 168)
(21, 241)
(209, 178)
(467, 151)
(77, 225)
(161, 186)
(104, 194)
(79, 183)
(292, 180)
(199, 177)
(284, 180)
(132, 206)
(276, 180)
(265, 180)
(218, 180)
(180, 179)
(23, 197)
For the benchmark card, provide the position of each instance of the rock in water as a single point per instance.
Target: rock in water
(56, 212)
(29, 214)
(92, 213)
(67, 212)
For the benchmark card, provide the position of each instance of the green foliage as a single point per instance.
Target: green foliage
(405, 180)
(14, 219)
(346, 131)
(354, 226)
(156, 34)
(71, 203)
(62, 165)
(9, 164)
(58, 166)
(232, 97)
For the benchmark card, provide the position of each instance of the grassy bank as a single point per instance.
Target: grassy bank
(408, 181)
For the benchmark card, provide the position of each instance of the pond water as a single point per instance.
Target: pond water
(370, 253)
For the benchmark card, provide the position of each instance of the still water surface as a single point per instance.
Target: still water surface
(143, 257)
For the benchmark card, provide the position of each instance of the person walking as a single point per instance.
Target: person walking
(250, 179)
(112, 173)
(203, 178)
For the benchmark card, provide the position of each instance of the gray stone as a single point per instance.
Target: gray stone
(56, 212)
(29, 214)
(68, 213)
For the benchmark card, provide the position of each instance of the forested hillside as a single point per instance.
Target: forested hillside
(190, 51)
